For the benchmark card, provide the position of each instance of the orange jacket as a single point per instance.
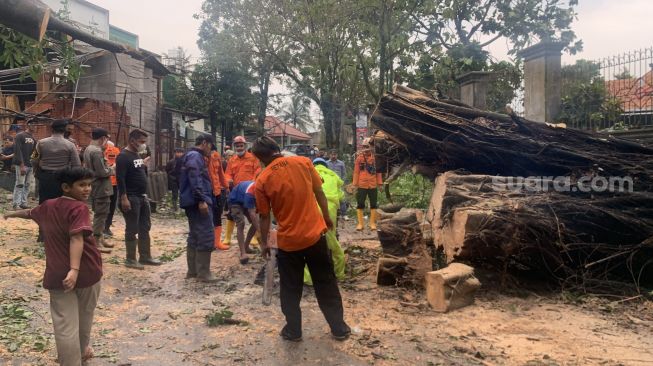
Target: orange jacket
(214, 163)
(365, 174)
(242, 168)
(110, 154)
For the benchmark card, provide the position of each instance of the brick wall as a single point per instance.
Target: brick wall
(89, 114)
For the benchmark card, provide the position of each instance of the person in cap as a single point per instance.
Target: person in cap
(241, 167)
(51, 155)
(197, 199)
(291, 188)
(367, 181)
(102, 190)
(24, 143)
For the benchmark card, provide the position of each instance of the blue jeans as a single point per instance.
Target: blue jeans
(21, 189)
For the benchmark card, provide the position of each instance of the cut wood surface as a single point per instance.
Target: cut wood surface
(452, 287)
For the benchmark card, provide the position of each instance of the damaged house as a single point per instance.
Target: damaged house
(120, 86)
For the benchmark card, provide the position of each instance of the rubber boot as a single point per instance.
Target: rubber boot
(361, 220)
(255, 241)
(190, 260)
(145, 257)
(131, 261)
(218, 244)
(99, 243)
(372, 219)
(203, 265)
(228, 233)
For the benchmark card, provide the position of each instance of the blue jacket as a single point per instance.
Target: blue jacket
(194, 182)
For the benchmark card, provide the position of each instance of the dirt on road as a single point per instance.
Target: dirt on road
(156, 317)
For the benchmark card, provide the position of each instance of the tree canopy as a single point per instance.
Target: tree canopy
(343, 54)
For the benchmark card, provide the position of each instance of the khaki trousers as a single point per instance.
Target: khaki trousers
(101, 208)
(72, 318)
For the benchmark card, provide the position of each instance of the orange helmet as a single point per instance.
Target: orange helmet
(238, 139)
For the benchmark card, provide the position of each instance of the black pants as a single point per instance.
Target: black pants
(362, 193)
(137, 220)
(217, 211)
(291, 275)
(49, 186)
(112, 209)
(174, 190)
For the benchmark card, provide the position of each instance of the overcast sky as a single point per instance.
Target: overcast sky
(607, 27)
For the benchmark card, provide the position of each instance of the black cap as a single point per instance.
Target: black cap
(59, 123)
(99, 133)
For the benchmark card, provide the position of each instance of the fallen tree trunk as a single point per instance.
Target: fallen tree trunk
(33, 18)
(444, 137)
(492, 225)
(26, 16)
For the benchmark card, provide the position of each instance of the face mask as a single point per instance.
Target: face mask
(240, 153)
(142, 149)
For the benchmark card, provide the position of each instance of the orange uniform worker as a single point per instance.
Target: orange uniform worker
(219, 182)
(291, 189)
(367, 180)
(110, 154)
(241, 167)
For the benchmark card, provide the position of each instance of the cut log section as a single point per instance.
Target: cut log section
(451, 288)
(549, 233)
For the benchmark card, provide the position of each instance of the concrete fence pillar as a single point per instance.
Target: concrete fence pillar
(474, 88)
(542, 81)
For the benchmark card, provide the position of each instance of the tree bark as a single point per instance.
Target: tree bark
(264, 86)
(557, 235)
(403, 242)
(446, 137)
(32, 17)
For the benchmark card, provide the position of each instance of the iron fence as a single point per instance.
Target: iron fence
(614, 92)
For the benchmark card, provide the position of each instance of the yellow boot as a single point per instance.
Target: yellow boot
(361, 222)
(228, 233)
(373, 219)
